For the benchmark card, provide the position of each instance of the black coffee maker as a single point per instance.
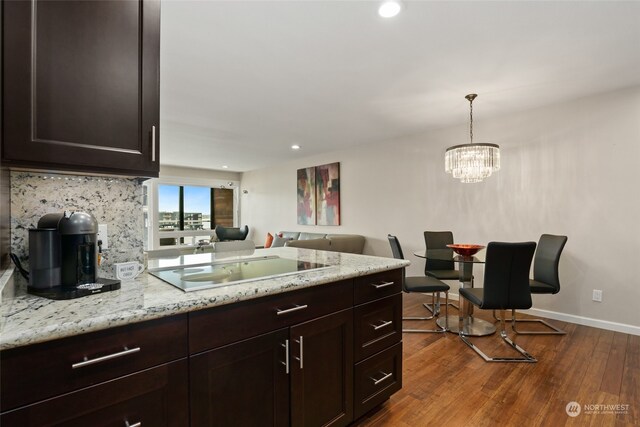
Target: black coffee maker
(63, 260)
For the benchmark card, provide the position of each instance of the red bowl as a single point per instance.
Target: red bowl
(465, 249)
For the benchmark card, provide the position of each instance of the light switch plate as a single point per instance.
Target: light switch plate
(102, 235)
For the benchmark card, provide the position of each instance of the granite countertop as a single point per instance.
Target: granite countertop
(26, 319)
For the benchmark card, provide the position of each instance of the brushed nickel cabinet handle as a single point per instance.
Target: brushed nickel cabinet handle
(301, 358)
(153, 143)
(382, 325)
(382, 285)
(286, 356)
(290, 310)
(386, 376)
(87, 362)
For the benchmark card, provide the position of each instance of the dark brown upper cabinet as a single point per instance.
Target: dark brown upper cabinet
(82, 86)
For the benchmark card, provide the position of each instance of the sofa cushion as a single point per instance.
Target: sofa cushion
(353, 244)
(317, 244)
(279, 242)
(309, 236)
(289, 234)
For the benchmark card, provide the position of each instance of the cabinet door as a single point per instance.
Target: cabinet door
(242, 384)
(81, 85)
(154, 397)
(322, 371)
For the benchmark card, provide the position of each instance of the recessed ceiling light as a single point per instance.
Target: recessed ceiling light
(225, 167)
(389, 9)
(295, 147)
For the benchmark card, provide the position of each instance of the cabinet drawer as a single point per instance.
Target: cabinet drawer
(377, 378)
(154, 397)
(219, 326)
(40, 371)
(376, 286)
(378, 325)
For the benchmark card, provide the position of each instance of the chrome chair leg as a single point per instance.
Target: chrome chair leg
(527, 358)
(433, 331)
(429, 308)
(554, 330)
(450, 304)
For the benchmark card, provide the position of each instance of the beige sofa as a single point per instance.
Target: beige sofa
(350, 243)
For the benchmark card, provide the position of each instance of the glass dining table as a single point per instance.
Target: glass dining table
(475, 327)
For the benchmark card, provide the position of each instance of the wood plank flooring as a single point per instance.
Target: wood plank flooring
(445, 383)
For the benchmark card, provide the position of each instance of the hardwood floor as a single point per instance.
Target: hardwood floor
(447, 383)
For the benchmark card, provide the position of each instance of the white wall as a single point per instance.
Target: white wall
(182, 172)
(569, 169)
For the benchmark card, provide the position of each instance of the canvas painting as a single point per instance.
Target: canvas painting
(328, 194)
(307, 196)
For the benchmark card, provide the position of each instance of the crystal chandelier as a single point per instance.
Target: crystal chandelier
(472, 162)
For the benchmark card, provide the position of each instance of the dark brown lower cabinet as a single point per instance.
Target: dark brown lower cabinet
(153, 397)
(242, 384)
(305, 371)
(322, 371)
(305, 358)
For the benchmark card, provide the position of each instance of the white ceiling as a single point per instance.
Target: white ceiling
(241, 81)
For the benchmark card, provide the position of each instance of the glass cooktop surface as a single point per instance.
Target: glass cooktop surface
(224, 273)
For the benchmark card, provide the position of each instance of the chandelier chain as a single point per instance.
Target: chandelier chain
(471, 120)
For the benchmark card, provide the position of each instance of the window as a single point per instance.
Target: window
(183, 214)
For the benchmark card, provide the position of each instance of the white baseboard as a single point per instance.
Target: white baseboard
(579, 320)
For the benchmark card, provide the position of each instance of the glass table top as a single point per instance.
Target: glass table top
(448, 255)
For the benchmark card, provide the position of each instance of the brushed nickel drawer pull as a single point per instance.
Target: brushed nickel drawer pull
(382, 325)
(87, 362)
(386, 376)
(138, 424)
(382, 285)
(301, 358)
(286, 356)
(290, 310)
(153, 143)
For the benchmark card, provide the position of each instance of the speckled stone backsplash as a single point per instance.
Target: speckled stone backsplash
(116, 202)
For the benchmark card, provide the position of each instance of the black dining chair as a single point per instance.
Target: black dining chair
(506, 287)
(421, 284)
(436, 242)
(546, 278)
(440, 269)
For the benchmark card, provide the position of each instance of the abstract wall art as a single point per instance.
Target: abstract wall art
(307, 196)
(328, 194)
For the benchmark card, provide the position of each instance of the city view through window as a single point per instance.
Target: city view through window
(190, 208)
(196, 208)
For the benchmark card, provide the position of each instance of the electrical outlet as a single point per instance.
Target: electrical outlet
(102, 235)
(597, 295)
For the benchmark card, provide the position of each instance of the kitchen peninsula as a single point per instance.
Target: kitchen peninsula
(317, 347)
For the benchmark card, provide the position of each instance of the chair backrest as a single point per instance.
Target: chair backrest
(225, 234)
(397, 254)
(506, 275)
(395, 247)
(438, 241)
(547, 259)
